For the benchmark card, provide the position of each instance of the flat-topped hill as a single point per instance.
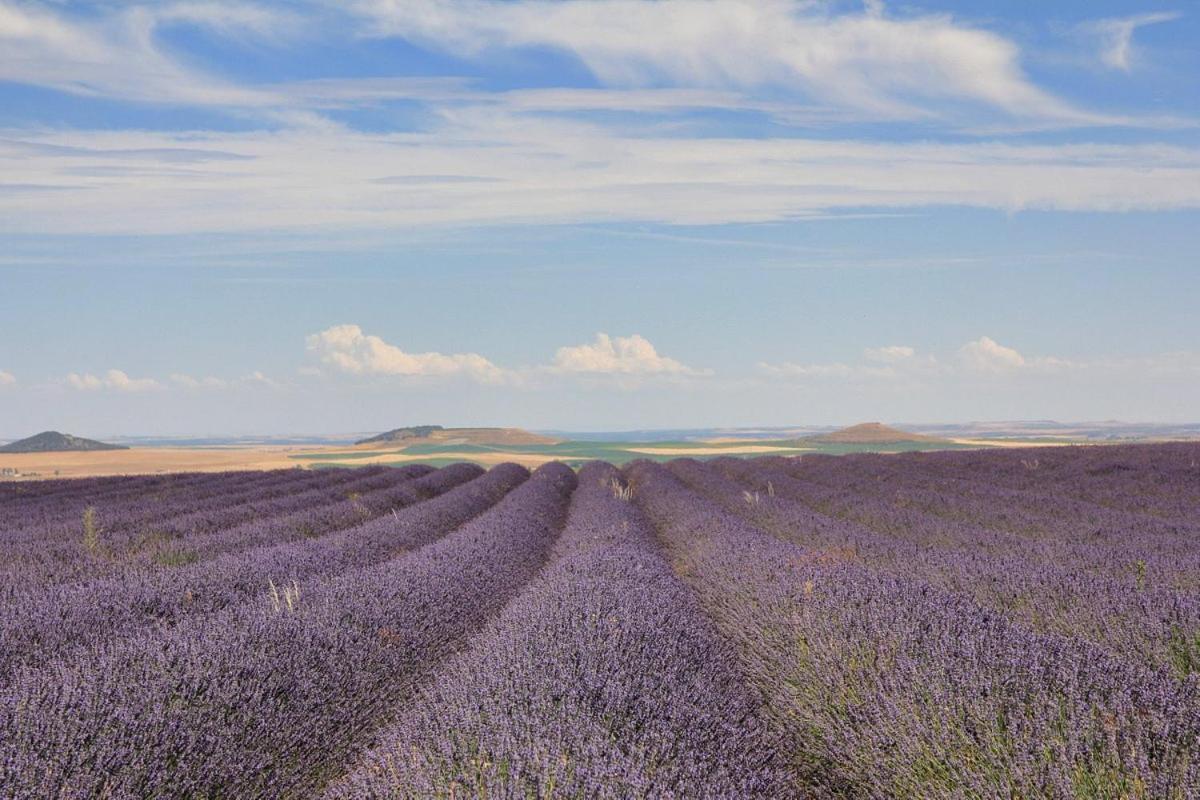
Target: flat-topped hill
(871, 433)
(55, 442)
(436, 434)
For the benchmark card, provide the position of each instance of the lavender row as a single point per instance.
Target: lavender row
(1116, 545)
(278, 519)
(1161, 480)
(602, 679)
(258, 504)
(1132, 548)
(1059, 591)
(30, 493)
(54, 512)
(271, 697)
(89, 613)
(136, 524)
(976, 494)
(889, 687)
(41, 572)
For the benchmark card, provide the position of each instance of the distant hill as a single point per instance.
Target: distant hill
(402, 434)
(436, 434)
(55, 442)
(871, 433)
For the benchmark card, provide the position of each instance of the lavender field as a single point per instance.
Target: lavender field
(966, 624)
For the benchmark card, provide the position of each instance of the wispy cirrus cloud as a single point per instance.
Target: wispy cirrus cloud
(495, 168)
(889, 66)
(117, 54)
(544, 155)
(1116, 36)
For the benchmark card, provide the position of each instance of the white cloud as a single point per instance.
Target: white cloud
(231, 19)
(211, 383)
(891, 354)
(512, 168)
(524, 156)
(867, 61)
(115, 54)
(7, 378)
(1116, 36)
(348, 349)
(887, 363)
(114, 379)
(985, 354)
(84, 382)
(790, 370)
(261, 379)
(188, 382)
(620, 355)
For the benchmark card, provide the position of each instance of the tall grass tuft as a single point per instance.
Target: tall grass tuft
(91, 530)
(621, 491)
(288, 599)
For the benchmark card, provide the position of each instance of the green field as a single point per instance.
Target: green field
(576, 453)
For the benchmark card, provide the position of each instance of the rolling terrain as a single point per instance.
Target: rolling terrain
(438, 446)
(874, 433)
(55, 442)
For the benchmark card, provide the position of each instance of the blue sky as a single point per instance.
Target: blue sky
(229, 217)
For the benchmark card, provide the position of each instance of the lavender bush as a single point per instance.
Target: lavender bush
(993, 624)
(602, 679)
(270, 697)
(887, 686)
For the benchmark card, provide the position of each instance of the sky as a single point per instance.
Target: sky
(318, 217)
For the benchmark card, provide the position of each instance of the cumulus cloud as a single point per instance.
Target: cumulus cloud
(348, 349)
(619, 355)
(1116, 36)
(114, 379)
(7, 378)
(84, 382)
(985, 354)
(891, 354)
(867, 61)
